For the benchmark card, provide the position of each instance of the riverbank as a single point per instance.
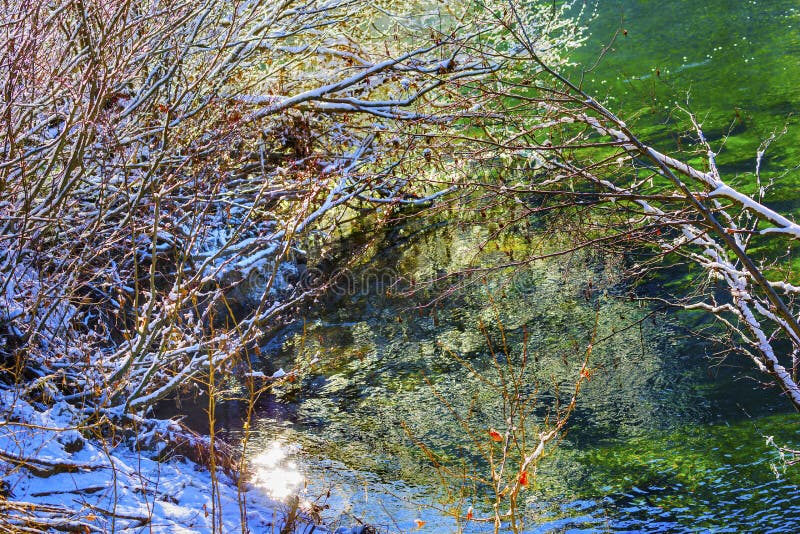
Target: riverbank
(56, 478)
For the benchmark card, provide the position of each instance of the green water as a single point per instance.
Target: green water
(735, 65)
(664, 439)
(659, 441)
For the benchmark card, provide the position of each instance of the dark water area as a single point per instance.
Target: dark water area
(662, 440)
(666, 437)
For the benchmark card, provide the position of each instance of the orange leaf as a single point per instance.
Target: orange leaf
(523, 479)
(420, 523)
(495, 435)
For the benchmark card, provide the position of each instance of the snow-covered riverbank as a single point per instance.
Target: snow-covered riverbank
(55, 478)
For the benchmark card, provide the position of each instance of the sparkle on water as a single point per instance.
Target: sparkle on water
(275, 473)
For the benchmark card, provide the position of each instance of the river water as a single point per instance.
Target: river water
(666, 437)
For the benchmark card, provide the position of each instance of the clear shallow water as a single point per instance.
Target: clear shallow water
(735, 64)
(658, 443)
(662, 440)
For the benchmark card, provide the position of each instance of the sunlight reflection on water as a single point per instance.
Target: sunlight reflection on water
(274, 473)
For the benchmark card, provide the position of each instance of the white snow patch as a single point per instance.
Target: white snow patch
(100, 486)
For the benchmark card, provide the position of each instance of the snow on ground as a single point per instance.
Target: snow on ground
(83, 485)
